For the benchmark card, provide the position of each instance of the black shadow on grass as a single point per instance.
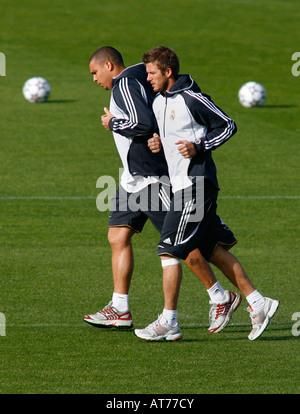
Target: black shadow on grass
(111, 328)
(230, 333)
(245, 329)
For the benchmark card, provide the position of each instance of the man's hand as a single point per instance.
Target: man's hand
(106, 118)
(154, 143)
(186, 148)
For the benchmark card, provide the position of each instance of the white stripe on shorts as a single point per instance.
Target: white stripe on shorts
(164, 198)
(184, 221)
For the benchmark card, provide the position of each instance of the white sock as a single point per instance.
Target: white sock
(120, 302)
(255, 300)
(171, 316)
(216, 293)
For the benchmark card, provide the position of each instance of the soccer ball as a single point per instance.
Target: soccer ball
(36, 90)
(252, 94)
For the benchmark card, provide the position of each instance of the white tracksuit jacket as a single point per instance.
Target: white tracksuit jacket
(185, 113)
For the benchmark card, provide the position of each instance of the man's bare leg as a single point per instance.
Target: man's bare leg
(233, 270)
(122, 257)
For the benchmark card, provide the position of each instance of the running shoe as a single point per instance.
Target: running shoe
(159, 330)
(220, 313)
(260, 318)
(109, 316)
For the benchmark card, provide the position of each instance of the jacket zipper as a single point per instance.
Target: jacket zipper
(164, 125)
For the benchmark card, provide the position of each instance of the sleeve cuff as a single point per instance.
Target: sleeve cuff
(199, 147)
(111, 123)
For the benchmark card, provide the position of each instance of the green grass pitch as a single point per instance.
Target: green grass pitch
(54, 254)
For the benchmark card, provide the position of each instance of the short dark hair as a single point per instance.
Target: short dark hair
(164, 58)
(107, 53)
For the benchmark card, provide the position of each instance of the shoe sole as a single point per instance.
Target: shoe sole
(270, 315)
(176, 337)
(233, 308)
(116, 324)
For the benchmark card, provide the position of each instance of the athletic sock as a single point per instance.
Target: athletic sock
(255, 300)
(171, 316)
(120, 302)
(216, 293)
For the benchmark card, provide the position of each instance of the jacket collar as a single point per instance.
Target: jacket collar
(182, 83)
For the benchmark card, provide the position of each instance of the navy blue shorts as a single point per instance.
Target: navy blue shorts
(134, 209)
(153, 202)
(218, 235)
(192, 223)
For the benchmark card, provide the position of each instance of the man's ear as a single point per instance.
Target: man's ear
(169, 73)
(109, 65)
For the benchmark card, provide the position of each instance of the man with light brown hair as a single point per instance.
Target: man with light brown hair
(191, 126)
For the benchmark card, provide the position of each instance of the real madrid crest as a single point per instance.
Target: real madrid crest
(172, 115)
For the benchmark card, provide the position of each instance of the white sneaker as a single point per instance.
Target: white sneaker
(220, 313)
(110, 317)
(260, 318)
(159, 330)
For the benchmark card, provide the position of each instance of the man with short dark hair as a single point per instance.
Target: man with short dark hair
(132, 124)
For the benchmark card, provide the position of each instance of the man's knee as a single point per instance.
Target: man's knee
(119, 236)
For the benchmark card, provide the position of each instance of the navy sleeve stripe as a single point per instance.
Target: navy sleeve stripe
(133, 116)
(227, 131)
(132, 112)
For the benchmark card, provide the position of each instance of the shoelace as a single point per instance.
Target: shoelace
(255, 317)
(153, 324)
(108, 309)
(217, 310)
